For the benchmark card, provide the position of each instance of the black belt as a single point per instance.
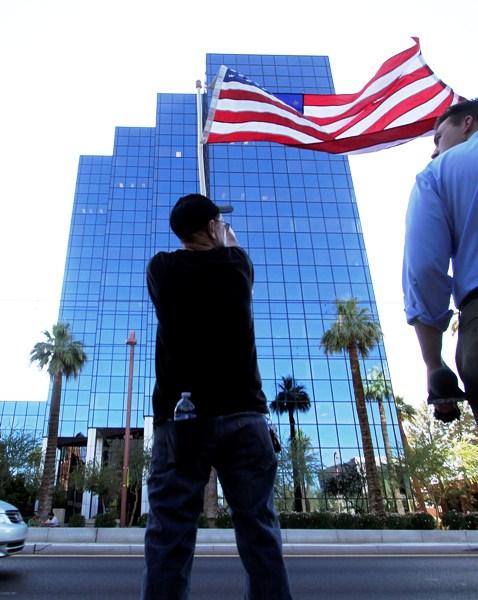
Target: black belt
(468, 298)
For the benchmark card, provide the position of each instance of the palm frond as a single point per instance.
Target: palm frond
(354, 326)
(407, 410)
(376, 388)
(291, 396)
(60, 353)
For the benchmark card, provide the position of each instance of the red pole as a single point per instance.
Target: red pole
(131, 342)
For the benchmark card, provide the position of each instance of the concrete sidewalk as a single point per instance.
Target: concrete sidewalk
(91, 540)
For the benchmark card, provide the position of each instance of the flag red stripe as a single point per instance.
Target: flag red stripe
(409, 104)
(247, 95)
(396, 111)
(394, 136)
(223, 116)
(248, 136)
(341, 146)
(388, 66)
(315, 99)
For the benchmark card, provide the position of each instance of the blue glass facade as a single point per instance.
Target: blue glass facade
(294, 212)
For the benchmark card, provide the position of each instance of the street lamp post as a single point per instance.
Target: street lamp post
(131, 342)
(335, 464)
(338, 472)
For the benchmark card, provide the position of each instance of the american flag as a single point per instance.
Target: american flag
(400, 103)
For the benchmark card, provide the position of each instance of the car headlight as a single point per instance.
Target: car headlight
(4, 518)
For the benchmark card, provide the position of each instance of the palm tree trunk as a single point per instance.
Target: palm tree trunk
(419, 497)
(305, 495)
(210, 505)
(373, 484)
(133, 511)
(388, 453)
(295, 471)
(443, 501)
(417, 488)
(47, 486)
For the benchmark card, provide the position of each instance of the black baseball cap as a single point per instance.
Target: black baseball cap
(192, 213)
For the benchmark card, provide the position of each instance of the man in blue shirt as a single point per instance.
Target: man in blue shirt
(442, 225)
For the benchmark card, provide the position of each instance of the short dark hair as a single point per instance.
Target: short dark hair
(192, 213)
(458, 112)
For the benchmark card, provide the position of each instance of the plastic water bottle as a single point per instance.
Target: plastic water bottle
(184, 409)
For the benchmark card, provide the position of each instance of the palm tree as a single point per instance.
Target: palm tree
(406, 412)
(378, 391)
(292, 398)
(357, 333)
(63, 357)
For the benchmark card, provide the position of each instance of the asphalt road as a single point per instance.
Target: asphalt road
(441, 577)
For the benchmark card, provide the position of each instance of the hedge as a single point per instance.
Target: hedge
(107, 519)
(457, 520)
(330, 520)
(76, 520)
(323, 520)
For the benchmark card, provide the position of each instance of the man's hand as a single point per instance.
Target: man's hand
(230, 238)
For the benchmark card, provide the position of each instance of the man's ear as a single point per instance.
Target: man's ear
(469, 124)
(211, 229)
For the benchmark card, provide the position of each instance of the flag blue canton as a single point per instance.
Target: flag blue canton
(232, 75)
(294, 100)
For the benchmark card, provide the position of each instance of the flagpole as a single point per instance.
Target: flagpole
(202, 175)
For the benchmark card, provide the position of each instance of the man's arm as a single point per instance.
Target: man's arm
(430, 340)
(426, 284)
(155, 276)
(428, 247)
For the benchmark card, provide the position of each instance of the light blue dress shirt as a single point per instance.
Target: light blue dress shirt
(442, 225)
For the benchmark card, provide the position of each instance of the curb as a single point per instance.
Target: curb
(226, 549)
(135, 536)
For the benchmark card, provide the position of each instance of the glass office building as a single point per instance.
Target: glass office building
(294, 212)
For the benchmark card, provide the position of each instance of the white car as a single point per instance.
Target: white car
(13, 530)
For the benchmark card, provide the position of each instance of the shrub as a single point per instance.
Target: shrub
(458, 520)
(76, 520)
(421, 521)
(409, 521)
(142, 520)
(295, 520)
(322, 520)
(471, 520)
(370, 521)
(346, 521)
(107, 519)
(223, 519)
(329, 520)
(202, 521)
(396, 521)
(453, 520)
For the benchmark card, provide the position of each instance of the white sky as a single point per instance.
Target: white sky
(72, 70)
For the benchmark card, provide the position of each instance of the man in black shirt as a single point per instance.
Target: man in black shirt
(205, 346)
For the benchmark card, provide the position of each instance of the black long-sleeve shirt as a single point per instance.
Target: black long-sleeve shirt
(205, 340)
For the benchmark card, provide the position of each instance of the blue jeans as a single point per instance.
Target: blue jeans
(240, 449)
